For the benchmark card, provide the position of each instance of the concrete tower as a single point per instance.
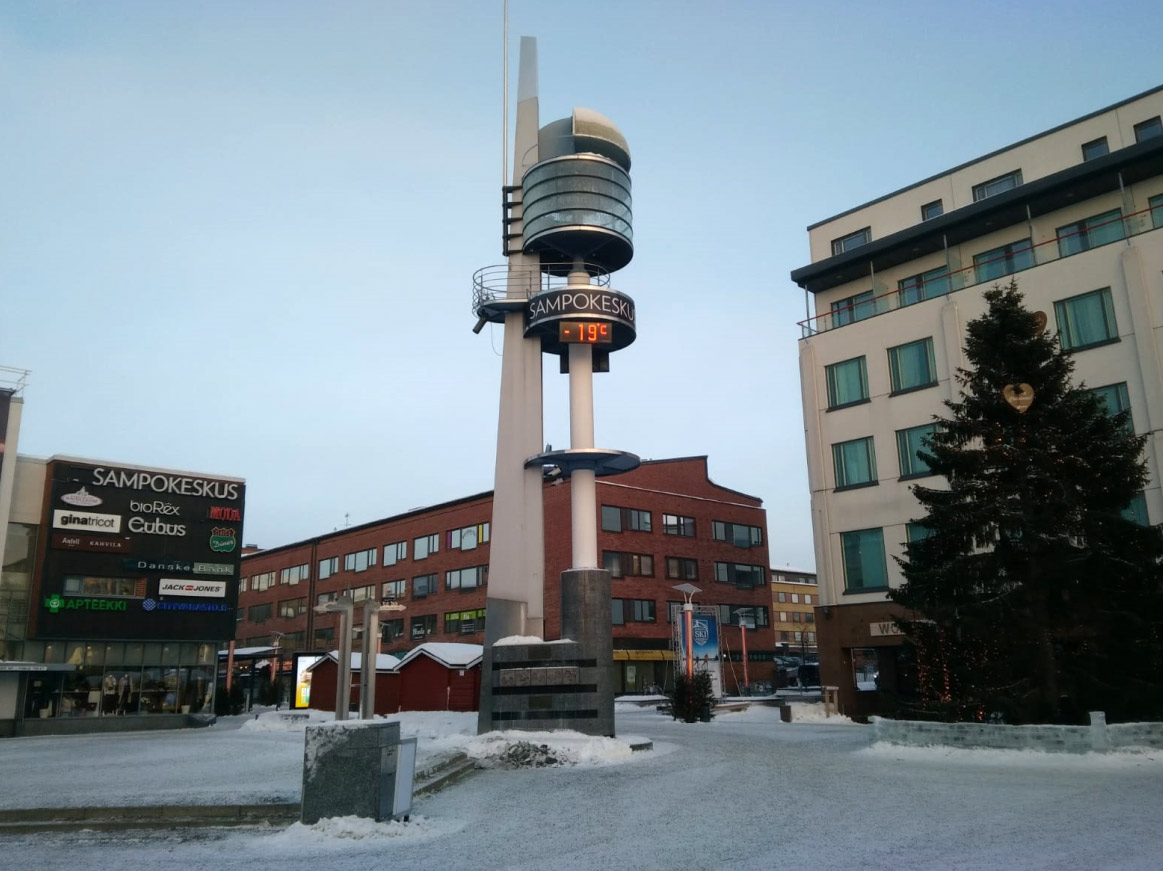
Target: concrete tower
(567, 226)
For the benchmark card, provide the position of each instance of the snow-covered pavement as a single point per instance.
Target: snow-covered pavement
(744, 791)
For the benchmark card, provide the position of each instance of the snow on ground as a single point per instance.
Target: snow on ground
(743, 791)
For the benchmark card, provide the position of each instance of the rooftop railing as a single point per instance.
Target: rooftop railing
(940, 281)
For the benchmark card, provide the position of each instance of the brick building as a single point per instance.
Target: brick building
(663, 524)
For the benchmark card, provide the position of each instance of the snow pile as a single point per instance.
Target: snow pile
(805, 712)
(334, 831)
(565, 747)
(280, 721)
(527, 639)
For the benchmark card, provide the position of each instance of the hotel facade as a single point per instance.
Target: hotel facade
(1075, 216)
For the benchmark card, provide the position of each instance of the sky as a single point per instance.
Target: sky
(743, 791)
(238, 238)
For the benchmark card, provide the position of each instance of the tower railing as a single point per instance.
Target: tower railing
(502, 282)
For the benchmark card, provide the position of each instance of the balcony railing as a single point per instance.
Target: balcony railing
(1010, 262)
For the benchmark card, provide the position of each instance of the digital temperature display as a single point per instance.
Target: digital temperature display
(584, 333)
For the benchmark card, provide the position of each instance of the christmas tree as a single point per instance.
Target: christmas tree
(1032, 595)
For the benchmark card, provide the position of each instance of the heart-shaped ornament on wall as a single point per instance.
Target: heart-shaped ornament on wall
(1039, 323)
(1019, 396)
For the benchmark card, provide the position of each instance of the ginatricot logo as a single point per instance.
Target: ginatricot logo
(62, 519)
(82, 499)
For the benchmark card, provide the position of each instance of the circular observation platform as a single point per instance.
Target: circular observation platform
(600, 461)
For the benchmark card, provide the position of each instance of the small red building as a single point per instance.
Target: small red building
(325, 672)
(441, 676)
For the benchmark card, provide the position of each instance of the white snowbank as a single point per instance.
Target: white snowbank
(335, 831)
(987, 758)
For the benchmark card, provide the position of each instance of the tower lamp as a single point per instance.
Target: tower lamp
(344, 607)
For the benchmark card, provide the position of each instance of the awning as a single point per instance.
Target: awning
(644, 655)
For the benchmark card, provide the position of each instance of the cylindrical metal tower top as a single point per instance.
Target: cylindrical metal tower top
(576, 202)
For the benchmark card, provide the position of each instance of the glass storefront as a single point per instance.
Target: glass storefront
(118, 678)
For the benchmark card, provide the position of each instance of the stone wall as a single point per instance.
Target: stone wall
(1097, 737)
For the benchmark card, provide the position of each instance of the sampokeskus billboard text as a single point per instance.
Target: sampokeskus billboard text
(159, 482)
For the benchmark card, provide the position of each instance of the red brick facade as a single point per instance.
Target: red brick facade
(678, 487)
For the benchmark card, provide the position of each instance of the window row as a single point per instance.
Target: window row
(854, 461)
(465, 538)
(911, 366)
(862, 550)
(794, 598)
(619, 519)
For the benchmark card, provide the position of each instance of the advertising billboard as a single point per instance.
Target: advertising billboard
(303, 663)
(137, 553)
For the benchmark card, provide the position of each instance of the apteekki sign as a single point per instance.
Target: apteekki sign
(166, 528)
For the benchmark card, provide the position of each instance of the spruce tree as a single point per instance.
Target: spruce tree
(1031, 597)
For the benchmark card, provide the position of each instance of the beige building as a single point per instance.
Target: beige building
(794, 595)
(1074, 214)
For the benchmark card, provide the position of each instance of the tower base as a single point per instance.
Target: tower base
(565, 684)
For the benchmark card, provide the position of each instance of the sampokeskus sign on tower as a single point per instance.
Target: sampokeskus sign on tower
(139, 553)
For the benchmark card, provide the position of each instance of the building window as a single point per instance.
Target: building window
(781, 596)
(1095, 231)
(76, 585)
(908, 442)
(424, 626)
(393, 590)
(847, 382)
(916, 532)
(998, 185)
(265, 581)
(676, 524)
(1086, 320)
(391, 630)
(294, 575)
(926, 285)
(324, 638)
(854, 463)
(615, 519)
(468, 537)
(359, 561)
(425, 545)
(932, 210)
(632, 611)
(464, 622)
(853, 308)
(293, 607)
(1095, 148)
(324, 598)
(1149, 129)
(1136, 510)
(912, 366)
(1156, 204)
(797, 617)
(360, 594)
(466, 579)
(682, 569)
(621, 565)
(394, 553)
(997, 262)
(729, 615)
(739, 534)
(328, 567)
(742, 576)
(423, 585)
(242, 582)
(1116, 400)
(260, 613)
(864, 566)
(852, 240)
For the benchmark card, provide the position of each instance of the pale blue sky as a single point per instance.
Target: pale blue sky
(239, 237)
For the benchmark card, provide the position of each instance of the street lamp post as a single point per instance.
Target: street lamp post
(744, 619)
(688, 614)
(344, 607)
(371, 650)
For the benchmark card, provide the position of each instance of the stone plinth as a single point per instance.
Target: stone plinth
(351, 770)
